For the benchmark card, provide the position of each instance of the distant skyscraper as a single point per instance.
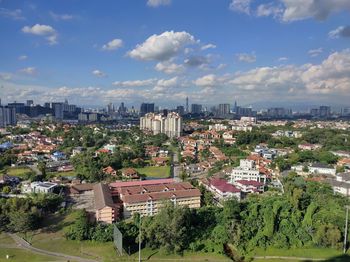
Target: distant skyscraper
(196, 108)
(7, 116)
(146, 108)
(58, 109)
(180, 110)
(171, 125)
(187, 108)
(224, 109)
(325, 111)
(30, 102)
(47, 105)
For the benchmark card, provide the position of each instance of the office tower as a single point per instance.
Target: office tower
(325, 111)
(187, 108)
(235, 107)
(180, 110)
(171, 125)
(279, 112)
(58, 109)
(19, 107)
(146, 108)
(30, 102)
(196, 108)
(224, 109)
(7, 116)
(122, 109)
(345, 111)
(47, 105)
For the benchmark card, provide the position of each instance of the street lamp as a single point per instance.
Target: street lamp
(346, 227)
(140, 239)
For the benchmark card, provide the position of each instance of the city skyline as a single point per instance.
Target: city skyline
(259, 53)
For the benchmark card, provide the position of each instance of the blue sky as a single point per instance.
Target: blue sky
(257, 52)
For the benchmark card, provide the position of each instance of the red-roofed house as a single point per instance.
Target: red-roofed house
(249, 186)
(109, 171)
(221, 189)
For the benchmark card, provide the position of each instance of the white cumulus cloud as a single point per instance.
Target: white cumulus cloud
(241, 6)
(42, 30)
(113, 45)
(169, 67)
(29, 70)
(156, 3)
(162, 47)
(98, 73)
(135, 83)
(247, 58)
(341, 31)
(315, 52)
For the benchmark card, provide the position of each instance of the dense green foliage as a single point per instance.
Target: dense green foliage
(308, 214)
(7, 158)
(254, 137)
(24, 214)
(82, 229)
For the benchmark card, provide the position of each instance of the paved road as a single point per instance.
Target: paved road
(290, 258)
(25, 245)
(175, 167)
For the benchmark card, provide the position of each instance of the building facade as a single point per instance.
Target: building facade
(247, 170)
(171, 125)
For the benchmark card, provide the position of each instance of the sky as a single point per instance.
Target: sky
(292, 53)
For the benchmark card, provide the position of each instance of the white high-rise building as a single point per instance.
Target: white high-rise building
(171, 125)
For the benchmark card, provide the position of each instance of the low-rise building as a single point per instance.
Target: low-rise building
(341, 184)
(148, 199)
(247, 170)
(319, 168)
(249, 186)
(221, 189)
(39, 187)
(106, 211)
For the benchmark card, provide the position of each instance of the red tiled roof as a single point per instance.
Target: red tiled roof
(161, 195)
(223, 186)
(142, 183)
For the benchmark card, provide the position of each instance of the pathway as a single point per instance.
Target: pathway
(25, 245)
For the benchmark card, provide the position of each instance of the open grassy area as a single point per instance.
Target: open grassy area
(300, 252)
(155, 171)
(17, 171)
(61, 174)
(51, 238)
(156, 255)
(6, 240)
(21, 255)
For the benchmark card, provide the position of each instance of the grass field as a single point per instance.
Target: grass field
(6, 240)
(17, 171)
(20, 255)
(326, 253)
(155, 171)
(156, 255)
(60, 174)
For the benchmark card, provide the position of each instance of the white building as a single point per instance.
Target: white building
(319, 168)
(247, 170)
(341, 184)
(39, 187)
(171, 125)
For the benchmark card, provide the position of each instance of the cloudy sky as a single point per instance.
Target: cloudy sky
(273, 52)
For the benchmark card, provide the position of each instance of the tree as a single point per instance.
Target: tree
(81, 227)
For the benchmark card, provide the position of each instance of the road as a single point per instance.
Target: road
(25, 245)
(175, 167)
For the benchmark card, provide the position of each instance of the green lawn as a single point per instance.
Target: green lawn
(6, 240)
(17, 171)
(60, 174)
(20, 255)
(301, 252)
(51, 238)
(156, 255)
(155, 171)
